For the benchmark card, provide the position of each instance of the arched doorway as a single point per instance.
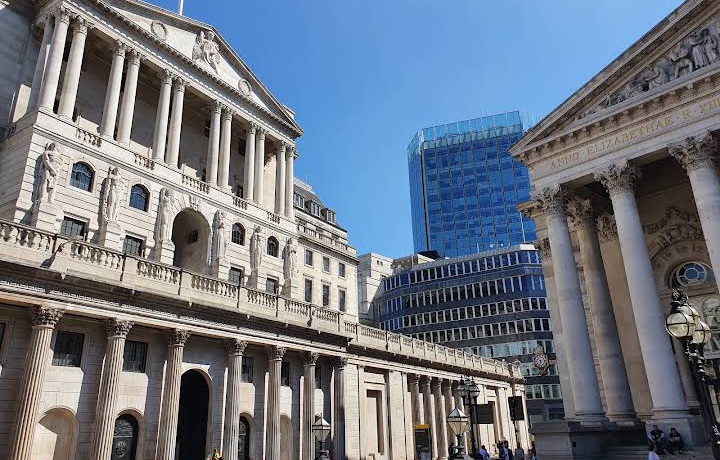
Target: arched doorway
(55, 436)
(190, 235)
(286, 439)
(192, 416)
(125, 438)
(244, 439)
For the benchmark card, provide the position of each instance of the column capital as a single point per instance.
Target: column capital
(436, 382)
(115, 327)
(178, 337)
(216, 107)
(135, 57)
(413, 379)
(261, 132)
(80, 25)
(283, 148)
(61, 14)
(581, 212)
(543, 246)
(252, 129)
(44, 18)
(228, 113)
(446, 384)
(235, 347)
(606, 228)
(166, 76)
(695, 152)
(424, 381)
(311, 358)
(341, 362)
(619, 177)
(551, 199)
(179, 84)
(119, 48)
(276, 353)
(46, 317)
(291, 152)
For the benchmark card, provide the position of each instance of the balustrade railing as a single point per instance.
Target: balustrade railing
(89, 138)
(144, 161)
(195, 183)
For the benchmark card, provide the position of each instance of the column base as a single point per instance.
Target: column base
(590, 419)
(164, 252)
(689, 426)
(46, 216)
(111, 236)
(565, 440)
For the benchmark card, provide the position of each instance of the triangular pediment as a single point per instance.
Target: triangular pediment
(204, 46)
(683, 46)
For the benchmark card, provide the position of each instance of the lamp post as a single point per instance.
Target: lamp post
(458, 423)
(321, 430)
(685, 324)
(469, 392)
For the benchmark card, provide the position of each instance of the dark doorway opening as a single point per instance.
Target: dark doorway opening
(244, 440)
(125, 438)
(192, 416)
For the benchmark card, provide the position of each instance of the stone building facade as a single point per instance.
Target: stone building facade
(626, 198)
(166, 286)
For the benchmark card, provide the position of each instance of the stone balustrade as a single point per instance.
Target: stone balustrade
(86, 260)
(325, 240)
(89, 138)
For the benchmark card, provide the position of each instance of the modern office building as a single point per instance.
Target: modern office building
(465, 187)
(492, 304)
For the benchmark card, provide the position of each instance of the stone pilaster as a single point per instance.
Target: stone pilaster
(112, 96)
(308, 439)
(272, 431)
(167, 433)
(249, 182)
(28, 396)
(54, 62)
(72, 69)
(117, 331)
(340, 397)
(234, 348)
(414, 384)
(127, 110)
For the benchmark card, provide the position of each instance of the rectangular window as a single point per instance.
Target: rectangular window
(341, 270)
(271, 285)
(133, 246)
(308, 290)
(285, 374)
(325, 295)
(134, 356)
(73, 228)
(308, 257)
(246, 373)
(235, 275)
(341, 299)
(68, 349)
(326, 264)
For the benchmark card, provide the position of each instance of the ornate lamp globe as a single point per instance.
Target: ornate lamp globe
(473, 390)
(680, 324)
(463, 388)
(457, 421)
(321, 429)
(702, 333)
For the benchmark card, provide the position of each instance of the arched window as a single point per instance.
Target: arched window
(273, 246)
(139, 197)
(238, 234)
(82, 176)
(690, 274)
(125, 438)
(244, 440)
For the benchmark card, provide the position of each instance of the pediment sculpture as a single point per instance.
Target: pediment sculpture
(206, 50)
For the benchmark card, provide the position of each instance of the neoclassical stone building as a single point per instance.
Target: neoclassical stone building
(166, 286)
(627, 201)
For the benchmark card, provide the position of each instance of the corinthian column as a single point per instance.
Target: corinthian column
(698, 155)
(440, 427)
(272, 432)
(167, 433)
(664, 380)
(127, 111)
(225, 138)
(112, 96)
(211, 176)
(234, 349)
(72, 69)
(414, 384)
(249, 182)
(161, 118)
(586, 392)
(173, 150)
(259, 166)
(429, 407)
(28, 396)
(117, 331)
(54, 63)
(41, 61)
(339, 409)
(308, 439)
(612, 367)
(280, 179)
(291, 154)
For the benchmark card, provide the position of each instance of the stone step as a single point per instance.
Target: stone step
(641, 453)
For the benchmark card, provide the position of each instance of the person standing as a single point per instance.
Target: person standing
(652, 452)
(519, 453)
(484, 454)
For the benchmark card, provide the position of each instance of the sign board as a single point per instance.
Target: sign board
(422, 442)
(483, 414)
(516, 408)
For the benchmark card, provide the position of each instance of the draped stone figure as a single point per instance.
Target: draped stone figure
(165, 215)
(206, 50)
(697, 49)
(111, 196)
(710, 46)
(290, 260)
(257, 247)
(50, 167)
(220, 234)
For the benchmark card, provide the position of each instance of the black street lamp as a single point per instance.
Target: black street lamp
(321, 430)
(685, 324)
(469, 391)
(458, 423)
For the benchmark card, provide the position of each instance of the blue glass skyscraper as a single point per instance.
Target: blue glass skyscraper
(465, 186)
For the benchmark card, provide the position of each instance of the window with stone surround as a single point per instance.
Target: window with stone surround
(82, 176)
(341, 270)
(246, 373)
(134, 356)
(326, 264)
(139, 197)
(341, 299)
(308, 290)
(308, 257)
(68, 349)
(133, 245)
(271, 285)
(325, 295)
(273, 246)
(238, 234)
(285, 374)
(235, 275)
(73, 228)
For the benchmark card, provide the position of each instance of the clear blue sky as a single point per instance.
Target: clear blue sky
(364, 75)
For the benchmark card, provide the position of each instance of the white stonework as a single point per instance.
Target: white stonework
(136, 266)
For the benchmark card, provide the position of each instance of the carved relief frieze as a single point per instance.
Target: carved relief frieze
(159, 29)
(672, 214)
(206, 50)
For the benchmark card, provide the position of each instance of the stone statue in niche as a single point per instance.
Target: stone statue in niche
(206, 50)
(51, 163)
(290, 260)
(165, 215)
(257, 247)
(111, 196)
(696, 40)
(220, 234)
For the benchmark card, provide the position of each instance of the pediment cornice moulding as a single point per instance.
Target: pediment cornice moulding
(179, 63)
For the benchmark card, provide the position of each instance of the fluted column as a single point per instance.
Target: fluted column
(280, 179)
(234, 348)
(308, 439)
(414, 384)
(127, 110)
(698, 155)
(211, 176)
(429, 407)
(441, 417)
(272, 431)
(72, 69)
(339, 409)
(173, 151)
(612, 366)
(167, 433)
(260, 166)
(51, 79)
(449, 404)
(290, 156)
(586, 392)
(41, 62)
(117, 330)
(664, 380)
(225, 138)
(112, 96)
(249, 182)
(28, 396)
(161, 118)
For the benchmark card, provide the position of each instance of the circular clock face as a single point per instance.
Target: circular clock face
(540, 361)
